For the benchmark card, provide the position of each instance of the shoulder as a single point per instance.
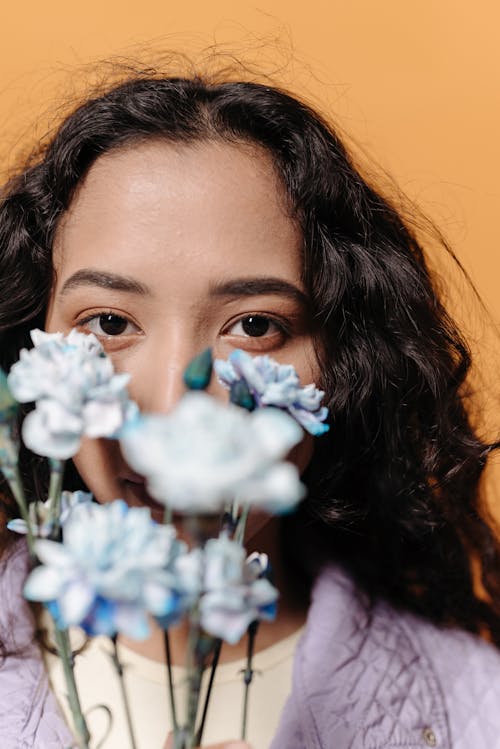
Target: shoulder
(368, 676)
(29, 714)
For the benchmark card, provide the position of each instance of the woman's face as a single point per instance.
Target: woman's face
(165, 250)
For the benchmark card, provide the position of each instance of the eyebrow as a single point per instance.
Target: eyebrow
(91, 277)
(246, 287)
(238, 287)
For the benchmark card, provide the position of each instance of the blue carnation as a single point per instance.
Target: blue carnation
(273, 384)
(112, 570)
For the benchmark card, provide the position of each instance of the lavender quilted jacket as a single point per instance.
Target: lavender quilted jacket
(29, 714)
(378, 679)
(363, 678)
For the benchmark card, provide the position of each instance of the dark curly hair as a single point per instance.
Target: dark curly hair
(394, 488)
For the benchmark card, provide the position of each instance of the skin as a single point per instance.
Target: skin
(183, 224)
(165, 250)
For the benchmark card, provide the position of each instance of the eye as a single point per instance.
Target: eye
(258, 333)
(108, 324)
(255, 326)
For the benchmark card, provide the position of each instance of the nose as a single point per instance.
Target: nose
(158, 377)
(164, 388)
(156, 371)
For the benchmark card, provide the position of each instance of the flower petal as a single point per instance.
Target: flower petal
(132, 621)
(75, 601)
(42, 440)
(52, 553)
(43, 584)
(17, 526)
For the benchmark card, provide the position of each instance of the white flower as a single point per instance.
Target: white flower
(206, 453)
(234, 592)
(113, 567)
(40, 514)
(273, 384)
(229, 591)
(75, 389)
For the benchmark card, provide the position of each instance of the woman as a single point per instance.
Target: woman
(171, 214)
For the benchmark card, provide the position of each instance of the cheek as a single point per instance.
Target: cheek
(302, 453)
(98, 462)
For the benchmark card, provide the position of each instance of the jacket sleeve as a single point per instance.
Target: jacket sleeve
(289, 733)
(29, 714)
(360, 681)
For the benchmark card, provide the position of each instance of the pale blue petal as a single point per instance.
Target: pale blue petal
(52, 553)
(41, 440)
(244, 366)
(132, 621)
(158, 600)
(75, 601)
(102, 419)
(72, 382)
(277, 491)
(229, 626)
(17, 526)
(277, 431)
(312, 423)
(43, 584)
(225, 372)
(262, 593)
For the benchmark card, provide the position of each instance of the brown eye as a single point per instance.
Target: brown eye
(257, 332)
(255, 326)
(108, 325)
(112, 324)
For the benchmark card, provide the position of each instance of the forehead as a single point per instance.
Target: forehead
(218, 202)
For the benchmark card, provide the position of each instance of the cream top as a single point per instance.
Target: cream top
(147, 689)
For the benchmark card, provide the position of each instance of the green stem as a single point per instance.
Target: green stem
(200, 647)
(215, 661)
(171, 694)
(66, 656)
(167, 515)
(248, 675)
(119, 670)
(235, 509)
(239, 535)
(180, 739)
(55, 487)
(11, 473)
(194, 676)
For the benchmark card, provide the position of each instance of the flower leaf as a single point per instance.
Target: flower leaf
(198, 372)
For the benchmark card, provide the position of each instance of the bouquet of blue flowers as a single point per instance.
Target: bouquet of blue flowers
(110, 568)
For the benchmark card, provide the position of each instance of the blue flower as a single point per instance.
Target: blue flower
(113, 568)
(235, 590)
(75, 389)
(273, 384)
(206, 453)
(40, 513)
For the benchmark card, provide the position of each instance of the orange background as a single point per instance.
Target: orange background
(415, 84)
